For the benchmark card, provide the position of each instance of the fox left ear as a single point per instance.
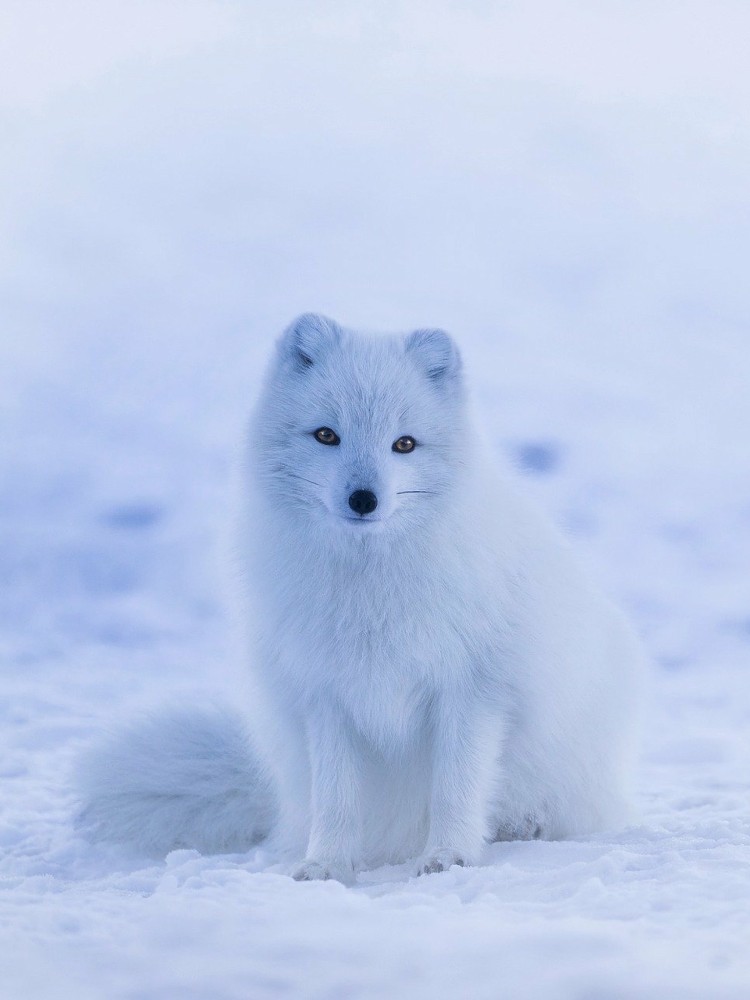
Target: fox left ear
(435, 352)
(308, 337)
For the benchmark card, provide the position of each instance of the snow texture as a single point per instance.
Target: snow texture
(564, 188)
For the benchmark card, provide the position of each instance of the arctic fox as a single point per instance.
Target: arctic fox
(432, 669)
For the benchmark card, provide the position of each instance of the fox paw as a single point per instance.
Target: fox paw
(322, 871)
(529, 828)
(439, 861)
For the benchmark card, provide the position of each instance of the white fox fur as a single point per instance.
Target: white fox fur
(191, 777)
(433, 673)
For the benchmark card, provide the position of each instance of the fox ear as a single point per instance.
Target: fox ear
(308, 337)
(435, 352)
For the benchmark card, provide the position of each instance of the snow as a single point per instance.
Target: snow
(564, 187)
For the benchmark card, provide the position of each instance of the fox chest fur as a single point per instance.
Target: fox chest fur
(385, 633)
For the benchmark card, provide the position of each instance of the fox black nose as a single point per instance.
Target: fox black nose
(363, 501)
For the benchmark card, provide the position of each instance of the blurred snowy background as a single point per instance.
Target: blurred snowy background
(562, 185)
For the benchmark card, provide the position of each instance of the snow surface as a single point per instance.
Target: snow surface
(564, 187)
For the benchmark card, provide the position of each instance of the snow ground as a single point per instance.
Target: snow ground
(564, 187)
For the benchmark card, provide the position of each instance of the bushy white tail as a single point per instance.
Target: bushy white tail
(187, 778)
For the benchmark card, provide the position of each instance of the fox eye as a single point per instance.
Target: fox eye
(404, 445)
(326, 436)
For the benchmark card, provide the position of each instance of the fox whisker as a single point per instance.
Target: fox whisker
(311, 481)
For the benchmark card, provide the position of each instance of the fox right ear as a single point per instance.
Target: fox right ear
(307, 338)
(435, 352)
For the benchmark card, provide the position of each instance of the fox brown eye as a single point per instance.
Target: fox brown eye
(404, 445)
(326, 436)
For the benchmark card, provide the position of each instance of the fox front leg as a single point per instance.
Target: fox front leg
(334, 847)
(465, 759)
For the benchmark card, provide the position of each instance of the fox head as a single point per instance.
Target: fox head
(359, 433)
